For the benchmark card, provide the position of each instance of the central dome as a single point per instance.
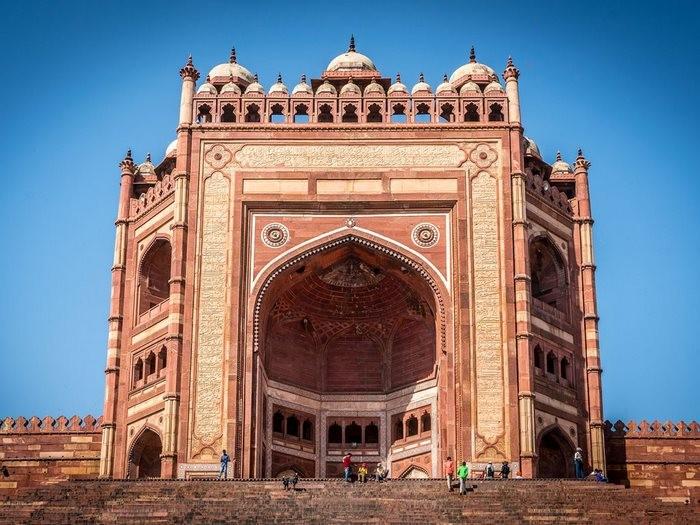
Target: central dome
(351, 61)
(223, 72)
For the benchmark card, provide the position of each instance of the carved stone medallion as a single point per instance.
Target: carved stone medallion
(275, 235)
(425, 235)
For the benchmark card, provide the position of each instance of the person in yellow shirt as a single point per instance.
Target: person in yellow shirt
(362, 473)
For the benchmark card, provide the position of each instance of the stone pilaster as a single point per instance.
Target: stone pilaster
(189, 76)
(510, 75)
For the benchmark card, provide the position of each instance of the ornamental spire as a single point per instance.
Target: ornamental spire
(351, 47)
(127, 163)
(279, 78)
(303, 79)
(189, 71)
(398, 78)
(581, 161)
(472, 55)
(148, 157)
(511, 71)
(444, 78)
(421, 78)
(558, 156)
(255, 77)
(232, 57)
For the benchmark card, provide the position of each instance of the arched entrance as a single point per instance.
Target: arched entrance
(145, 455)
(555, 455)
(346, 336)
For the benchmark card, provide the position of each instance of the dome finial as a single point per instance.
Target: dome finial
(232, 58)
(279, 78)
(472, 55)
(255, 77)
(148, 157)
(351, 47)
(208, 79)
(558, 156)
(398, 77)
(421, 78)
(303, 79)
(444, 78)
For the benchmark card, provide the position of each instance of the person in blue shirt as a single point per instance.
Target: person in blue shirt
(224, 465)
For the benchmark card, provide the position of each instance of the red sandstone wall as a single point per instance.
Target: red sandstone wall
(40, 451)
(664, 458)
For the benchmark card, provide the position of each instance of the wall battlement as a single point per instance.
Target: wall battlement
(643, 428)
(48, 424)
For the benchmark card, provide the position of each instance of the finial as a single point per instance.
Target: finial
(127, 163)
(472, 55)
(580, 153)
(444, 78)
(511, 71)
(398, 78)
(128, 155)
(189, 71)
(558, 156)
(189, 60)
(303, 79)
(581, 161)
(208, 79)
(279, 78)
(510, 61)
(421, 78)
(232, 57)
(351, 47)
(255, 77)
(148, 157)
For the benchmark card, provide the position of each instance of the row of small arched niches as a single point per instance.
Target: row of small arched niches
(375, 114)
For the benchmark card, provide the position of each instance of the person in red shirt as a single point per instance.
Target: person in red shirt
(448, 468)
(347, 465)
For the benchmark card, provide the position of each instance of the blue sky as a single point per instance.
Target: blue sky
(82, 84)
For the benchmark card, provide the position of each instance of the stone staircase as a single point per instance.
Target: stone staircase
(334, 501)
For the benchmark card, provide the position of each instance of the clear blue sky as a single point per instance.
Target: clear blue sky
(84, 81)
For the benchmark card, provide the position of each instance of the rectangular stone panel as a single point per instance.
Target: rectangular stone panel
(340, 186)
(423, 185)
(274, 186)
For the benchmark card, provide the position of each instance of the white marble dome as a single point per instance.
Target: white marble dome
(302, 87)
(350, 89)
(560, 166)
(207, 87)
(231, 68)
(326, 89)
(351, 60)
(421, 86)
(469, 87)
(278, 88)
(445, 88)
(374, 88)
(397, 87)
(171, 150)
(230, 87)
(255, 87)
(531, 148)
(473, 69)
(493, 86)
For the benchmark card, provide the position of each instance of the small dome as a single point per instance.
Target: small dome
(255, 87)
(231, 87)
(445, 88)
(171, 150)
(146, 169)
(469, 86)
(278, 88)
(302, 87)
(560, 166)
(351, 60)
(421, 86)
(326, 89)
(493, 86)
(473, 69)
(232, 68)
(531, 148)
(374, 88)
(350, 89)
(207, 87)
(397, 87)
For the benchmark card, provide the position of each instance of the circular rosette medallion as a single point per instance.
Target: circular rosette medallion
(425, 235)
(275, 235)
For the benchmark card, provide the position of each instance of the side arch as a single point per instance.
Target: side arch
(555, 453)
(143, 460)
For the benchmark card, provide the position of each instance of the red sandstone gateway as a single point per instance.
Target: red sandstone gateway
(351, 265)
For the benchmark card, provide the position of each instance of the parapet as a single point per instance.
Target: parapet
(643, 428)
(50, 425)
(549, 193)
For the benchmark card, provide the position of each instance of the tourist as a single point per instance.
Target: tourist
(505, 470)
(449, 472)
(599, 476)
(463, 474)
(578, 463)
(490, 471)
(224, 465)
(380, 473)
(290, 482)
(362, 473)
(5, 472)
(347, 466)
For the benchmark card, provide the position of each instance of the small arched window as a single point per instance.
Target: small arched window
(412, 426)
(447, 113)
(138, 371)
(565, 369)
(496, 113)
(292, 426)
(252, 113)
(547, 276)
(307, 430)
(301, 114)
(398, 429)
(422, 114)
(154, 276)
(150, 366)
(539, 357)
(353, 433)
(551, 363)
(375, 113)
(228, 113)
(204, 114)
(350, 113)
(425, 422)
(371, 433)
(398, 114)
(335, 433)
(278, 422)
(472, 113)
(277, 114)
(325, 113)
(162, 359)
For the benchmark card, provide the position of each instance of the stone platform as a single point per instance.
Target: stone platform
(333, 501)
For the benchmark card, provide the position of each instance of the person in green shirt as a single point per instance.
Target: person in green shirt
(463, 474)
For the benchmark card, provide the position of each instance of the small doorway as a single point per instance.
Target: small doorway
(145, 456)
(555, 456)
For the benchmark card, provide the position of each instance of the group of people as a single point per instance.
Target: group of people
(463, 473)
(380, 471)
